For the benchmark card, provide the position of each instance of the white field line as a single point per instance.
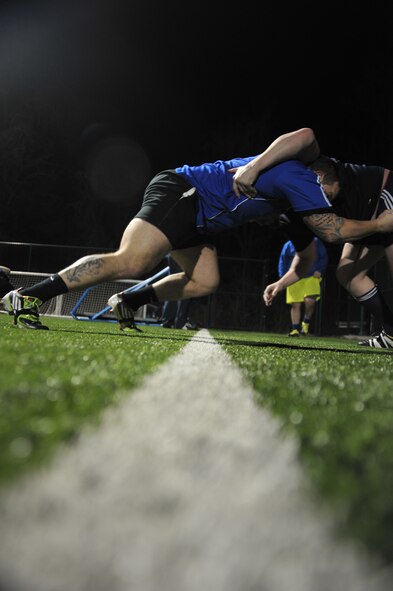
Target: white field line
(187, 486)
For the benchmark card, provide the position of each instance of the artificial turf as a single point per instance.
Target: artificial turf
(54, 382)
(337, 398)
(333, 395)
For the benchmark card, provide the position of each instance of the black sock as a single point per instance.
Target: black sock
(46, 289)
(375, 303)
(5, 285)
(139, 298)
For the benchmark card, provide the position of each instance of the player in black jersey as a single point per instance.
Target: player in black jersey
(365, 191)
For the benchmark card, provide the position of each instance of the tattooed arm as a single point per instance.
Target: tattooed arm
(330, 228)
(334, 229)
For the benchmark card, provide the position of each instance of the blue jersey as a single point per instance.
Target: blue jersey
(287, 185)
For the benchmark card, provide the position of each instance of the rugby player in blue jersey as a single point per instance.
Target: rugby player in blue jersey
(181, 212)
(365, 191)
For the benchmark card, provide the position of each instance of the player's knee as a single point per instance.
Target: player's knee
(205, 290)
(214, 282)
(132, 267)
(207, 286)
(213, 287)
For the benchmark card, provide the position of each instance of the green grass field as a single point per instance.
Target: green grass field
(333, 395)
(55, 381)
(337, 398)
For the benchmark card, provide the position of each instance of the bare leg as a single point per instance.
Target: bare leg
(309, 306)
(296, 312)
(354, 264)
(200, 275)
(143, 246)
(352, 274)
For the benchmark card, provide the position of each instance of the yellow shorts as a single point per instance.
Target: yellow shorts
(306, 287)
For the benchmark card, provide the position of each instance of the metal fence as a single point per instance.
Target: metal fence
(237, 304)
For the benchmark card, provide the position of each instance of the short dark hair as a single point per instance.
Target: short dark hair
(328, 166)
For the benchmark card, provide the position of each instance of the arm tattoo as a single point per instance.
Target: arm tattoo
(327, 226)
(86, 269)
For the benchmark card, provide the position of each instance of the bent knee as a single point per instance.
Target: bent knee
(213, 286)
(132, 266)
(131, 270)
(206, 287)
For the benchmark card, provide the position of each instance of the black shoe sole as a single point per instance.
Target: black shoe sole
(31, 325)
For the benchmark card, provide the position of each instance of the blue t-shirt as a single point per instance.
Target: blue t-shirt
(288, 253)
(287, 185)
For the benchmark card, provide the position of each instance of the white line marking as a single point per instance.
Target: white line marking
(187, 486)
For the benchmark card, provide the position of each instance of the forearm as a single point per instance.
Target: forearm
(300, 267)
(288, 279)
(336, 230)
(291, 276)
(301, 145)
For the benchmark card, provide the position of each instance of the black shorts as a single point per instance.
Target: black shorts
(385, 202)
(170, 204)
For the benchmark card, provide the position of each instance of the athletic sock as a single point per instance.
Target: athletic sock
(5, 285)
(46, 289)
(136, 299)
(296, 327)
(306, 319)
(375, 303)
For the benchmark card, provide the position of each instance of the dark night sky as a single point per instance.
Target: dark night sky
(96, 96)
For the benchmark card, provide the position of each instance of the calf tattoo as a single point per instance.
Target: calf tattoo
(87, 268)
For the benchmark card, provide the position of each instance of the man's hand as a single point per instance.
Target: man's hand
(271, 291)
(243, 179)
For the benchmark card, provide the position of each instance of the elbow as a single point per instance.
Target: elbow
(309, 147)
(328, 237)
(333, 239)
(307, 136)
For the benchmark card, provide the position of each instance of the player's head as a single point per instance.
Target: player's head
(327, 170)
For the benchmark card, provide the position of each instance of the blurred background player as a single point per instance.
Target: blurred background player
(305, 292)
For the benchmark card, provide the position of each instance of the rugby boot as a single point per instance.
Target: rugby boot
(24, 309)
(123, 312)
